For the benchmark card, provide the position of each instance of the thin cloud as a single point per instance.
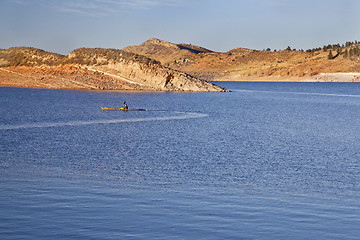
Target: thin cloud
(106, 7)
(141, 3)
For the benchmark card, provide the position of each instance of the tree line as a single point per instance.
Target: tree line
(334, 47)
(351, 49)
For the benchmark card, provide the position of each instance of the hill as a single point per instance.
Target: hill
(166, 52)
(27, 56)
(157, 65)
(93, 68)
(241, 64)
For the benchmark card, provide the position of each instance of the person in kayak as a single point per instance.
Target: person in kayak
(125, 106)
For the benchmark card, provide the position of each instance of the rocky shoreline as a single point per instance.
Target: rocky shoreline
(102, 78)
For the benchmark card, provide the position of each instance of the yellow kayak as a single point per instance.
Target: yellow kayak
(122, 109)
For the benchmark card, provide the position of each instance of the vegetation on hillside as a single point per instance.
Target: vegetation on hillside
(104, 56)
(348, 49)
(27, 56)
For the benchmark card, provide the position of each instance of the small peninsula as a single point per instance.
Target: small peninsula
(96, 69)
(158, 65)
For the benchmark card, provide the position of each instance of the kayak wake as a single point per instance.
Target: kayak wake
(181, 116)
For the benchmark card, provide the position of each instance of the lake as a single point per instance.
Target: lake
(266, 161)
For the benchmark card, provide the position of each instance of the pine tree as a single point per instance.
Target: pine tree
(330, 56)
(357, 51)
(346, 53)
(351, 52)
(339, 50)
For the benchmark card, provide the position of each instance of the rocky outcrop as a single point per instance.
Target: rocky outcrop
(156, 77)
(147, 73)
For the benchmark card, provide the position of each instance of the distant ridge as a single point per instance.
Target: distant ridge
(242, 64)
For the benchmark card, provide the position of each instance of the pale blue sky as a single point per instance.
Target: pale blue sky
(64, 25)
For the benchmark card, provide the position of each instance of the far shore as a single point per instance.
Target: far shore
(322, 77)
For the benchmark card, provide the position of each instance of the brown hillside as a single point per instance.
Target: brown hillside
(65, 77)
(166, 52)
(157, 65)
(94, 68)
(245, 64)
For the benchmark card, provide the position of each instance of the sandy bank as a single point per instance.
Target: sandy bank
(322, 77)
(336, 77)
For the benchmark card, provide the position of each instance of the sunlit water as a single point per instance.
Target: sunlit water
(266, 161)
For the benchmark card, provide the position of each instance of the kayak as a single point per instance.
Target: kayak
(122, 109)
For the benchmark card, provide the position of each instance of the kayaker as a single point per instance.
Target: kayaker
(126, 106)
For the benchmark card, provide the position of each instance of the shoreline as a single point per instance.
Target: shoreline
(144, 91)
(274, 81)
(77, 78)
(321, 77)
(80, 78)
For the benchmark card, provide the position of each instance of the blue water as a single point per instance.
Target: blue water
(266, 161)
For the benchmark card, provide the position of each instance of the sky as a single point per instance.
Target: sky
(63, 25)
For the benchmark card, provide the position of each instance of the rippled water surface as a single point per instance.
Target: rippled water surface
(266, 161)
